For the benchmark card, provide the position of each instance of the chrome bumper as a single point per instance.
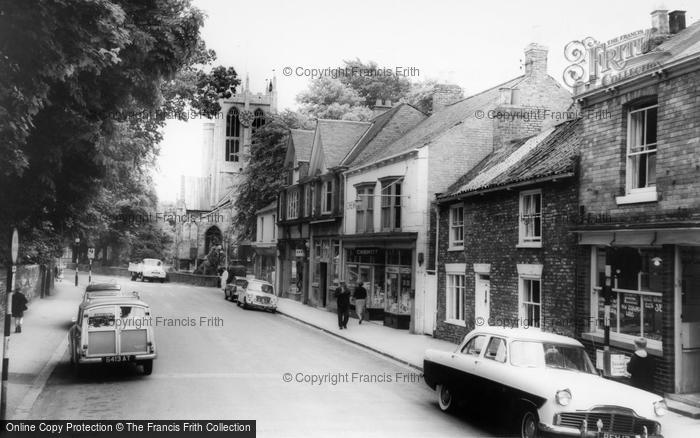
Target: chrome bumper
(585, 432)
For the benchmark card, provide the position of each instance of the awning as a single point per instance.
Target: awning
(640, 237)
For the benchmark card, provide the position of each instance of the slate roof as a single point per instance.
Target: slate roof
(552, 152)
(386, 128)
(338, 137)
(442, 121)
(302, 140)
(682, 45)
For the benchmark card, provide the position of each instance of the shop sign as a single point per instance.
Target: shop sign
(365, 251)
(299, 253)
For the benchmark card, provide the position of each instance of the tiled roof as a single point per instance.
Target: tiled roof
(440, 122)
(338, 137)
(682, 45)
(386, 128)
(302, 140)
(552, 152)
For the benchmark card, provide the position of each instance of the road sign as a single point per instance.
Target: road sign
(15, 246)
(91, 253)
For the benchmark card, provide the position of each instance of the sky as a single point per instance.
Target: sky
(473, 44)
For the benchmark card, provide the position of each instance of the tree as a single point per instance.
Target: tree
(264, 175)
(421, 95)
(371, 82)
(328, 98)
(85, 88)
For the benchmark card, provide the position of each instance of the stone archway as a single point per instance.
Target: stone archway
(212, 237)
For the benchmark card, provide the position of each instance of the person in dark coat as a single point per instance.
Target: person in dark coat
(360, 296)
(641, 367)
(19, 305)
(342, 295)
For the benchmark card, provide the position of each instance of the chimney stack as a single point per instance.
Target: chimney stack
(446, 94)
(535, 60)
(676, 21)
(381, 107)
(659, 21)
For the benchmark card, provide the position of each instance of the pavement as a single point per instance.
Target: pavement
(41, 347)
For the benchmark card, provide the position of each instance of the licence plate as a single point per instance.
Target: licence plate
(115, 359)
(615, 435)
(264, 300)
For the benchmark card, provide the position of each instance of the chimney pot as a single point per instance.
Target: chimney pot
(378, 102)
(388, 103)
(535, 59)
(659, 21)
(676, 21)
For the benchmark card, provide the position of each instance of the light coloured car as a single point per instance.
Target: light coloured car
(257, 294)
(112, 330)
(96, 291)
(230, 292)
(148, 269)
(546, 381)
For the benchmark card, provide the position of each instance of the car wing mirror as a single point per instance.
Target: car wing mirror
(74, 320)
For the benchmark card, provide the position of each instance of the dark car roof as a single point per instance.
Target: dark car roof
(102, 286)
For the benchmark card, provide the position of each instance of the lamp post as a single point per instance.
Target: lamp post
(77, 258)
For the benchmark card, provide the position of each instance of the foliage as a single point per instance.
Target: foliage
(421, 95)
(371, 86)
(328, 98)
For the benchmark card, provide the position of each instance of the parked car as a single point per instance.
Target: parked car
(106, 290)
(258, 294)
(112, 330)
(546, 381)
(230, 293)
(148, 269)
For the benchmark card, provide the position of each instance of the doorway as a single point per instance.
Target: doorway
(323, 283)
(689, 379)
(482, 298)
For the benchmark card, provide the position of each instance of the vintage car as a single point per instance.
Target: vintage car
(258, 294)
(112, 330)
(230, 293)
(148, 270)
(546, 381)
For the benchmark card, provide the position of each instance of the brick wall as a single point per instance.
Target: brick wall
(603, 158)
(491, 236)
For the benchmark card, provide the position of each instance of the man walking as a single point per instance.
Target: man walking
(224, 279)
(342, 295)
(19, 305)
(360, 297)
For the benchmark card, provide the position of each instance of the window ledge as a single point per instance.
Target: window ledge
(457, 322)
(620, 343)
(529, 245)
(638, 197)
(456, 248)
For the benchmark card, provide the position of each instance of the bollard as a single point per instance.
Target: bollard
(76, 274)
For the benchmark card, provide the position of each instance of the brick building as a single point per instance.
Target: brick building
(506, 255)
(640, 204)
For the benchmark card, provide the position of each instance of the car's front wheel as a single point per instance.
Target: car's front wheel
(529, 424)
(446, 398)
(245, 303)
(148, 367)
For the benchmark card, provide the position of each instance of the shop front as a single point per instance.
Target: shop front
(265, 262)
(387, 272)
(655, 279)
(325, 268)
(294, 269)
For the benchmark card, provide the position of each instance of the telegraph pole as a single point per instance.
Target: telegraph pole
(8, 320)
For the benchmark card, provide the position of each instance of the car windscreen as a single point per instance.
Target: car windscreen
(533, 354)
(260, 287)
(152, 262)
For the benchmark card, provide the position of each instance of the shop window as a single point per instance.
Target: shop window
(637, 304)
(364, 222)
(327, 197)
(641, 149)
(530, 230)
(391, 205)
(530, 302)
(457, 227)
(293, 204)
(455, 297)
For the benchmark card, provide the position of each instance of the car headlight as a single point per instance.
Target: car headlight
(564, 397)
(660, 408)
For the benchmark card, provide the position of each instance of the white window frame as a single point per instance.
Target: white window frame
(455, 293)
(293, 204)
(456, 228)
(528, 273)
(391, 205)
(635, 194)
(523, 240)
(364, 208)
(327, 192)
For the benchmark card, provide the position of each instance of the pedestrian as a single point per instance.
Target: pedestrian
(360, 295)
(224, 278)
(19, 305)
(342, 295)
(641, 366)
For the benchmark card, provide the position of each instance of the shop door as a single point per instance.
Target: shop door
(690, 321)
(323, 283)
(482, 298)
(365, 276)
